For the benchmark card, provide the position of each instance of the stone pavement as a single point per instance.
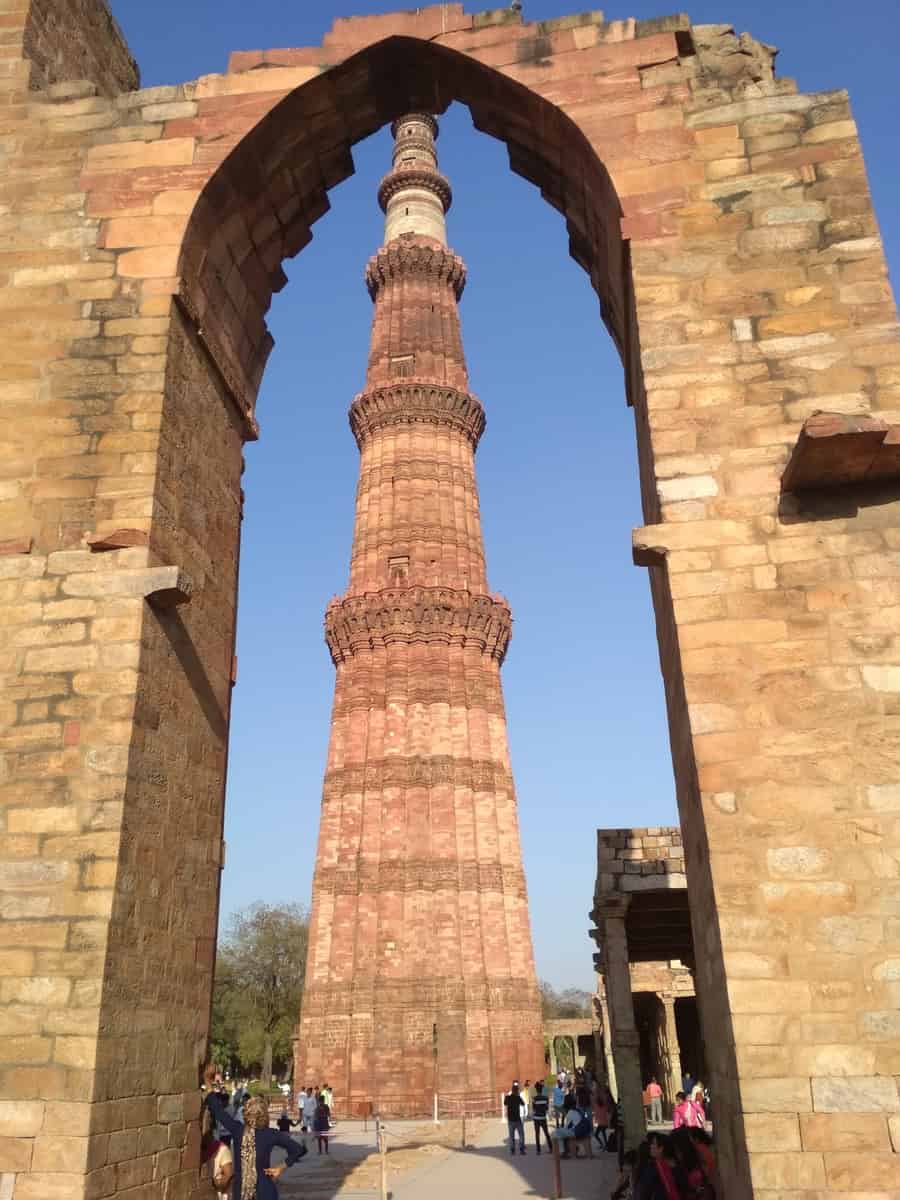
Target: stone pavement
(425, 1162)
(489, 1170)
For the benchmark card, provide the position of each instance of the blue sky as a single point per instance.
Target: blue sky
(557, 468)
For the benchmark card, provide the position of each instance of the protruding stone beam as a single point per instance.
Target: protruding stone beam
(835, 449)
(118, 539)
(163, 587)
(167, 587)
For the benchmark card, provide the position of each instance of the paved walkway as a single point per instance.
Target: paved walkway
(420, 1168)
(489, 1170)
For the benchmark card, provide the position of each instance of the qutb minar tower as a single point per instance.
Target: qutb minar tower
(421, 971)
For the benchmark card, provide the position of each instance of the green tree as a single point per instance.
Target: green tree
(260, 968)
(569, 1004)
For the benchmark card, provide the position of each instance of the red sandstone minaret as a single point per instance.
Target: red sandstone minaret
(420, 969)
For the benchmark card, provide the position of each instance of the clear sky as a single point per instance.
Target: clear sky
(557, 467)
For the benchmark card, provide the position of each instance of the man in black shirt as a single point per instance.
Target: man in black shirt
(540, 1104)
(515, 1106)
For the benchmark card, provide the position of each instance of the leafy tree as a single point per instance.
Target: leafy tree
(569, 1004)
(260, 970)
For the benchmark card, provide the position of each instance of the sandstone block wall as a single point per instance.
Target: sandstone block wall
(632, 860)
(726, 223)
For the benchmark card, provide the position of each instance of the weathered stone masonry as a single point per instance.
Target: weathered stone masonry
(726, 224)
(420, 977)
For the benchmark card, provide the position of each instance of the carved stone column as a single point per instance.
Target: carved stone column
(673, 1050)
(613, 944)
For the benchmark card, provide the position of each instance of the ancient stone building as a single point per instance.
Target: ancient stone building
(420, 977)
(645, 958)
(725, 222)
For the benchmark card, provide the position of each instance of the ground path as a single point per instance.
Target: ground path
(426, 1163)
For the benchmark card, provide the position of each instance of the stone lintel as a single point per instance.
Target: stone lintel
(835, 449)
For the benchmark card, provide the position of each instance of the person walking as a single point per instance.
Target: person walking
(600, 1114)
(558, 1098)
(322, 1123)
(654, 1091)
(254, 1177)
(689, 1113)
(525, 1093)
(515, 1106)
(540, 1106)
(310, 1104)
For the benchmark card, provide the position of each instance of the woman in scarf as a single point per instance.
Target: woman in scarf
(254, 1176)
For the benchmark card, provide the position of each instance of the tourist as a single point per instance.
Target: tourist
(284, 1122)
(654, 1091)
(688, 1112)
(540, 1105)
(310, 1104)
(301, 1103)
(515, 1106)
(600, 1113)
(217, 1152)
(703, 1144)
(576, 1127)
(699, 1186)
(525, 1093)
(659, 1176)
(558, 1098)
(322, 1123)
(254, 1178)
(687, 1083)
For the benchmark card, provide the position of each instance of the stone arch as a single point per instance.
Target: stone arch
(758, 286)
(260, 204)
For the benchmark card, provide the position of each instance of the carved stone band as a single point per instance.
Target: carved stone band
(415, 255)
(386, 994)
(417, 875)
(417, 614)
(418, 771)
(412, 403)
(419, 176)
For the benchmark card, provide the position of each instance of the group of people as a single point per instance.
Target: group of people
(676, 1166)
(238, 1140)
(314, 1107)
(582, 1107)
(691, 1107)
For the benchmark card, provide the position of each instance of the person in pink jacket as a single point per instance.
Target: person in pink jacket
(688, 1112)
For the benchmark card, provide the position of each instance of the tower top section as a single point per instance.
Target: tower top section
(414, 195)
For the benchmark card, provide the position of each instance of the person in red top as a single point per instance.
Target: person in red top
(659, 1177)
(654, 1092)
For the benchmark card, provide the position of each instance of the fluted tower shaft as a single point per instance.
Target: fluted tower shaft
(421, 972)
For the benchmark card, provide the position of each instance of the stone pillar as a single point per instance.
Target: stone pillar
(673, 1050)
(620, 1005)
(607, 1048)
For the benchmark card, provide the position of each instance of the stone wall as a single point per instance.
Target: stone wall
(726, 224)
(634, 859)
(77, 40)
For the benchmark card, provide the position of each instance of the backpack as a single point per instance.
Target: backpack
(583, 1129)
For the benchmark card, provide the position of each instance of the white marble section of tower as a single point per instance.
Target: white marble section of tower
(414, 195)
